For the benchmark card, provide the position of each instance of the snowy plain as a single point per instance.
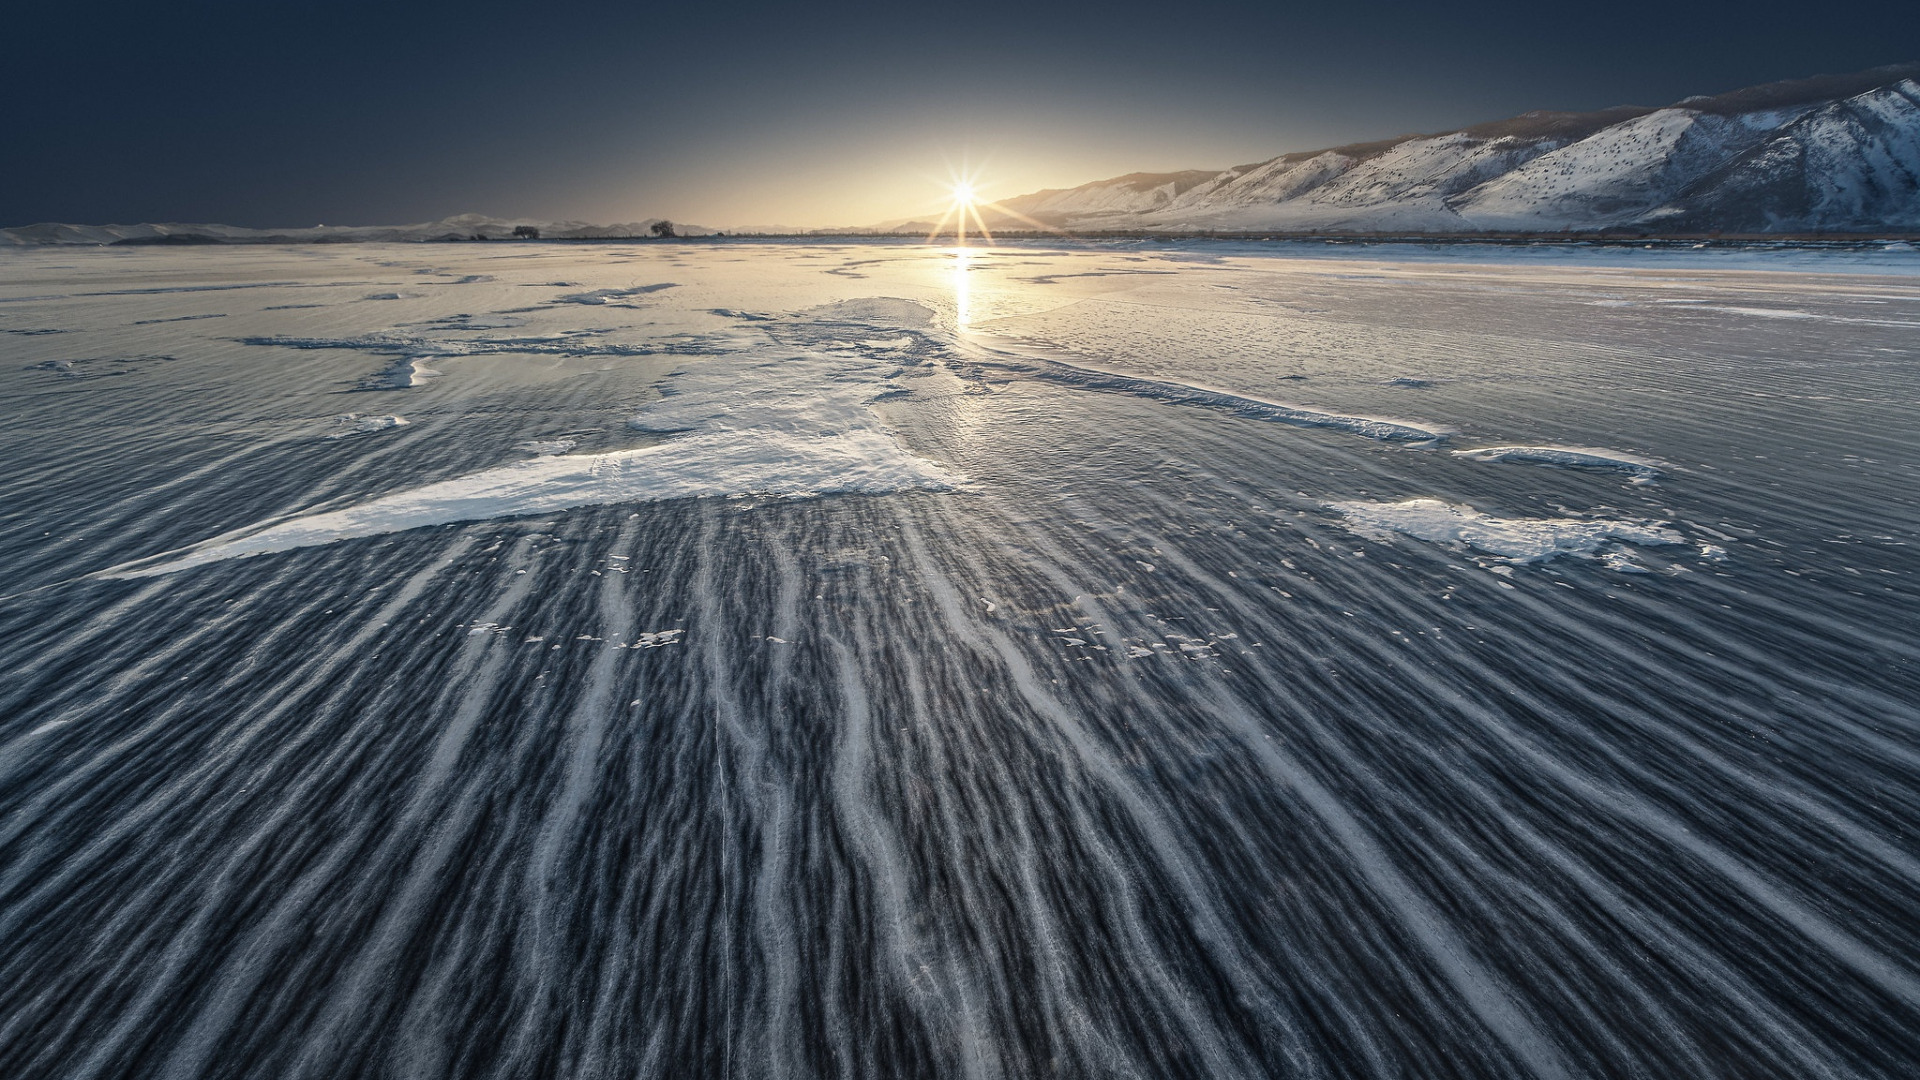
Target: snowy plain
(804, 659)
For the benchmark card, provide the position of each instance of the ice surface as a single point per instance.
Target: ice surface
(1135, 756)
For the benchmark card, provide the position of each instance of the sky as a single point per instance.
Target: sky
(732, 114)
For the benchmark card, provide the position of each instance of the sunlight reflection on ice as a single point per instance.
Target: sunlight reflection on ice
(962, 263)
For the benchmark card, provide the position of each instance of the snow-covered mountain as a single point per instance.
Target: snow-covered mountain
(461, 227)
(1830, 154)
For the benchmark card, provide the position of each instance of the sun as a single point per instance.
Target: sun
(965, 208)
(963, 214)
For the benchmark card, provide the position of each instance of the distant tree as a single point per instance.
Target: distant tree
(526, 232)
(664, 230)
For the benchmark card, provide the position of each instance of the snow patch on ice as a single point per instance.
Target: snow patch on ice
(1756, 312)
(1642, 470)
(1180, 393)
(710, 464)
(1515, 540)
(884, 311)
(610, 296)
(768, 421)
(1702, 305)
(95, 367)
(470, 321)
(1046, 364)
(579, 343)
(355, 424)
(401, 374)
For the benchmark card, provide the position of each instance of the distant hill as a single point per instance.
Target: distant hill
(1829, 154)
(462, 227)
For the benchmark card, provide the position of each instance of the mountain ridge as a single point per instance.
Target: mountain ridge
(1835, 154)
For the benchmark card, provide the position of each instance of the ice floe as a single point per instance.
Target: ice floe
(1515, 540)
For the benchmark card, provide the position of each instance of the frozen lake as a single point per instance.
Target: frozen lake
(787, 660)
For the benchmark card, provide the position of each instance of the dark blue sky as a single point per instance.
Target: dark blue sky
(283, 114)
